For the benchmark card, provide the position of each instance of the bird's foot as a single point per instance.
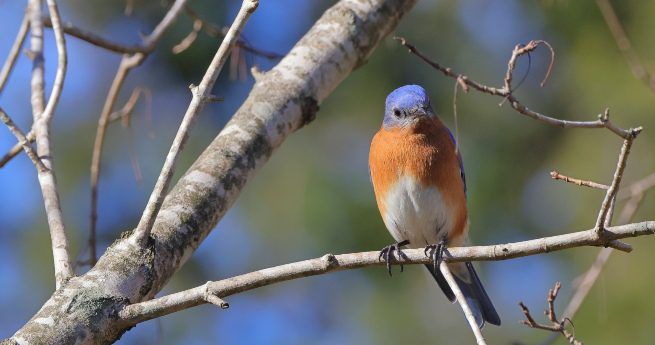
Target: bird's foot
(435, 251)
(387, 254)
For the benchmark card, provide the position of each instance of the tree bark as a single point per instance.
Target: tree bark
(85, 309)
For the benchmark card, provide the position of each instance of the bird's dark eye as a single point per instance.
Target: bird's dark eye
(396, 112)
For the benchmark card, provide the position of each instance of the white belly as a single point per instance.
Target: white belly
(416, 213)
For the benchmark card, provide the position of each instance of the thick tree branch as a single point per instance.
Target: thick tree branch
(201, 95)
(282, 101)
(143, 311)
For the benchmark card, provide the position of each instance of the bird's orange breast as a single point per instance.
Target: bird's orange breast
(425, 152)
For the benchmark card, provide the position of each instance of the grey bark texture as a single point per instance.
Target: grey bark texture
(85, 309)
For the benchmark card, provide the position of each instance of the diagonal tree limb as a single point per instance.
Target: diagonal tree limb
(282, 101)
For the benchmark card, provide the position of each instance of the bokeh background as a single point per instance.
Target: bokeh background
(314, 195)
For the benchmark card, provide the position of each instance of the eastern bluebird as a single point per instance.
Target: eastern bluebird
(420, 189)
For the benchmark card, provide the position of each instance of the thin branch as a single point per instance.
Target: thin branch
(125, 113)
(62, 64)
(201, 94)
(16, 149)
(557, 176)
(189, 39)
(614, 186)
(42, 119)
(14, 52)
(95, 39)
(623, 42)
(128, 62)
(556, 325)
(626, 193)
(443, 267)
(590, 277)
(22, 140)
(139, 312)
(216, 31)
(506, 93)
(638, 187)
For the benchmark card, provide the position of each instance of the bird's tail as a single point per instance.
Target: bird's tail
(472, 289)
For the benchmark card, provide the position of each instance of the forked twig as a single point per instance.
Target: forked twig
(558, 326)
(506, 92)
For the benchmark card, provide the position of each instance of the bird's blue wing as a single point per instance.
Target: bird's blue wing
(459, 158)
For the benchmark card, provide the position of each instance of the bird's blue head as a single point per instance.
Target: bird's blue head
(406, 105)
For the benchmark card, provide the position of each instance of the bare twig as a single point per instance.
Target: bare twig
(42, 118)
(147, 310)
(616, 181)
(16, 149)
(125, 113)
(22, 140)
(443, 267)
(506, 92)
(557, 176)
(213, 299)
(216, 31)
(623, 42)
(638, 187)
(189, 39)
(14, 52)
(128, 62)
(556, 325)
(201, 94)
(97, 40)
(62, 64)
(590, 277)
